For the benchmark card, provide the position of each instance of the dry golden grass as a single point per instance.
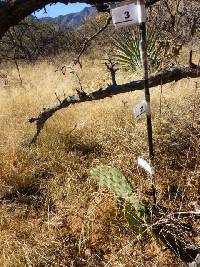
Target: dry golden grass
(52, 214)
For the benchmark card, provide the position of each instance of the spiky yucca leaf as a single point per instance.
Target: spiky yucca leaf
(127, 50)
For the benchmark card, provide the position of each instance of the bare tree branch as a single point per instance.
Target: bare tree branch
(185, 214)
(110, 65)
(15, 60)
(89, 40)
(173, 74)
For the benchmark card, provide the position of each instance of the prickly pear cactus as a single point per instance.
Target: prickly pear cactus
(117, 182)
(136, 222)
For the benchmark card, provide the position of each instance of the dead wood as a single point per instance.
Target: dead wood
(170, 75)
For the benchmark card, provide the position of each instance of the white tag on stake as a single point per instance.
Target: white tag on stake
(146, 166)
(129, 14)
(141, 108)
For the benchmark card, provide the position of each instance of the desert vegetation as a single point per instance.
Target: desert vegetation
(72, 193)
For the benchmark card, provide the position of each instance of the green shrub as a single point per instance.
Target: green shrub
(127, 51)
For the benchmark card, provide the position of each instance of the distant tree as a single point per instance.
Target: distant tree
(178, 19)
(33, 38)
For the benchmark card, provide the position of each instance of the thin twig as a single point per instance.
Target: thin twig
(17, 66)
(111, 68)
(58, 98)
(15, 60)
(184, 214)
(78, 80)
(89, 40)
(191, 64)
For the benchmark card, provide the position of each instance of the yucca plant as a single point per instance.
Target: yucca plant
(127, 50)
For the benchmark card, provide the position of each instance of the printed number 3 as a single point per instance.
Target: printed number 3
(127, 15)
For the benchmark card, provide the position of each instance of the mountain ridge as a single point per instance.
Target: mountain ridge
(73, 20)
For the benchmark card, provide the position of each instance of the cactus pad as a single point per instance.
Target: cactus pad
(117, 182)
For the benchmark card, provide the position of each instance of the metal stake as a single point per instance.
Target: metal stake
(143, 53)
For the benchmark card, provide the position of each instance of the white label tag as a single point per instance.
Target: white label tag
(146, 166)
(141, 108)
(128, 14)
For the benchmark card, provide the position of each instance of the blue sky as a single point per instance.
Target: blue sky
(59, 9)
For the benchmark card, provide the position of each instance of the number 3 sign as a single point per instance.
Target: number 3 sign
(129, 14)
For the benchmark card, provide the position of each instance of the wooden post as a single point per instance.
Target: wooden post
(143, 54)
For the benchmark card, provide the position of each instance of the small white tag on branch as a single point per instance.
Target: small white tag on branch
(126, 15)
(141, 108)
(146, 166)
